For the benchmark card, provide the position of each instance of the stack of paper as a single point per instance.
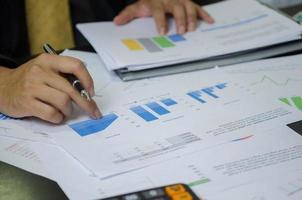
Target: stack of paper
(282, 3)
(239, 26)
(228, 133)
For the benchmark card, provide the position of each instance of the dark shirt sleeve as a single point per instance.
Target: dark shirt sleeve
(94, 11)
(13, 31)
(7, 62)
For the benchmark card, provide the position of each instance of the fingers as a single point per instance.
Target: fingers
(185, 12)
(55, 98)
(61, 84)
(46, 112)
(37, 88)
(204, 15)
(50, 75)
(65, 64)
(160, 19)
(191, 16)
(125, 16)
(179, 14)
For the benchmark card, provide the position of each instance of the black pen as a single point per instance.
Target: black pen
(74, 81)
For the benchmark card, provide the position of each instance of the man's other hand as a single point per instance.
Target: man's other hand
(185, 12)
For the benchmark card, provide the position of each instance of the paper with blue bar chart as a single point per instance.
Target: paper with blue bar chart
(146, 125)
(153, 129)
(225, 174)
(138, 46)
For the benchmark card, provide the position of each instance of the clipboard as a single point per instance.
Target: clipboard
(221, 61)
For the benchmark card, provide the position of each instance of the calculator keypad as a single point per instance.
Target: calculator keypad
(170, 192)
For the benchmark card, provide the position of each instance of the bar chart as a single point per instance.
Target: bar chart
(153, 110)
(154, 44)
(143, 113)
(89, 127)
(168, 102)
(199, 95)
(148, 111)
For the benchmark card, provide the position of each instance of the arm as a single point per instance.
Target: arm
(37, 89)
(185, 12)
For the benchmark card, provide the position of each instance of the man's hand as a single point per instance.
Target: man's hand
(37, 88)
(185, 12)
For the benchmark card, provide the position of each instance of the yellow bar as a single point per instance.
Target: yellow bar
(132, 45)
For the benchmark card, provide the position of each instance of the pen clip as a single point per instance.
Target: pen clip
(47, 48)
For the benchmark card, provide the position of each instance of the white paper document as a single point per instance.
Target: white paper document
(230, 168)
(226, 132)
(239, 26)
(151, 125)
(20, 153)
(227, 167)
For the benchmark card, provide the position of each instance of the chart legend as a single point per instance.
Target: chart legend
(154, 44)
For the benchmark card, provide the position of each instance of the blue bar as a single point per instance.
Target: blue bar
(140, 111)
(89, 127)
(221, 86)
(168, 102)
(176, 38)
(157, 108)
(210, 92)
(196, 95)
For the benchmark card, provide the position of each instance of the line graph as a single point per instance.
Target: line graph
(275, 82)
(266, 68)
(238, 22)
(292, 188)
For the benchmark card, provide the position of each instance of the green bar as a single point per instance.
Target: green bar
(163, 42)
(199, 182)
(285, 100)
(298, 102)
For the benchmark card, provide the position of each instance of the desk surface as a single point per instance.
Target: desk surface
(18, 184)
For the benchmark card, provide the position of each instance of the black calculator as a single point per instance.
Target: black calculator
(170, 192)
